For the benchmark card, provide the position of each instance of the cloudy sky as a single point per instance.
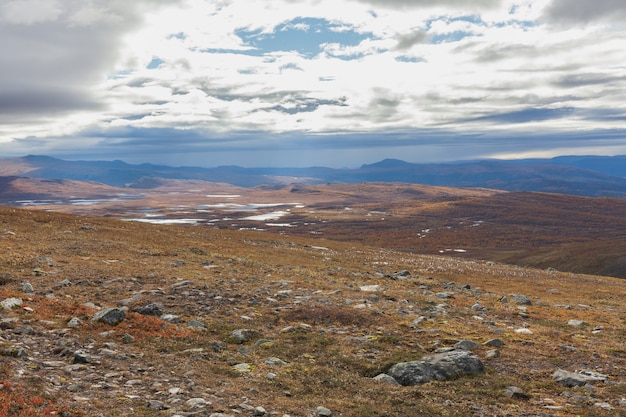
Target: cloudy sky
(311, 82)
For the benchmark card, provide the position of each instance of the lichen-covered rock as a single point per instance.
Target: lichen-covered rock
(438, 367)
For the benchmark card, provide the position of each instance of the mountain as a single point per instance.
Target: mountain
(592, 176)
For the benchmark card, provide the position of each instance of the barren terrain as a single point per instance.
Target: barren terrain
(222, 319)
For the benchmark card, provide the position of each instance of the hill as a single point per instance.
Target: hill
(583, 176)
(107, 317)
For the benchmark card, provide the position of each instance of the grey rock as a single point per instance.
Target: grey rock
(386, 378)
(171, 318)
(157, 405)
(10, 303)
(221, 415)
(577, 379)
(110, 316)
(516, 393)
(259, 411)
(64, 283)
(466, 345)
(575, 323)
(197, 324)
(74, 322)
(604, 406)
(27, 287)
(494, 342)
(438, 367)
(323, 412)
(81, 357)
(521, 299)
(275, 362)
(492, 354)
(152, 309)
(244, 335)
(197, 403)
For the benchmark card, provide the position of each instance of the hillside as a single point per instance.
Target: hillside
(583, 176)
(541, 230)
(216, 322)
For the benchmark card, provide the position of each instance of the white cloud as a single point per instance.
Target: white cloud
(308, 67)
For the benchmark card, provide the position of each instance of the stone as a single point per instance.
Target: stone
(577, 379)
(81, 357)
(110, 316)
(386, 378)
(370, 288)
(323, 412)
(171, 318)
(242, 368)
(492, 354)
(152, 309)
(516, 393)
(521, 299)
(575, 323)
(244, 335)
(197, 403)
(438, 367)
(74, 322)
(523, 330)
(157, 405)
(466, 345)
(27, 287)
(10, 303)
(275, 362)
(259, 411)
(494, 342)
(604, 406)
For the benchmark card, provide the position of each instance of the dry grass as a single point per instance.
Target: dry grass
(269, 282)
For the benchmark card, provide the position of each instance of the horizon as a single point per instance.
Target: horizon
(312, 83)
(354, 167)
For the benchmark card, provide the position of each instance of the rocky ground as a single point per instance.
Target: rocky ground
(101, 317)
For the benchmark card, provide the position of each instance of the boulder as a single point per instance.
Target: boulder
(577, 379)
(438, 367)
(110, 316)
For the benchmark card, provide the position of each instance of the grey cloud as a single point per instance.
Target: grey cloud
(585, 11)
(408, 40)
(580, 80)
(405, 4)
(305, 105)
(60, 58)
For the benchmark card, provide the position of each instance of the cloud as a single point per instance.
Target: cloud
(583, 11)
(148, 76)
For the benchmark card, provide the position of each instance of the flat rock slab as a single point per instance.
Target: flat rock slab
(577, 379)
(438, 367)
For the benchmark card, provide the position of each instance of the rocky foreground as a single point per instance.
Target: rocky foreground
(107, 318)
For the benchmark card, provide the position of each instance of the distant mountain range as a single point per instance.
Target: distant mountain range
(592, 176)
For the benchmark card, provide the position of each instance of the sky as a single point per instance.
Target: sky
(335, 83)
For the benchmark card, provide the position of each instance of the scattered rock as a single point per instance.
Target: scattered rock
(494, 342)
(275, 362)
(579, 378)
(10, 303)
(386, 378)
(323, 412)
(440, 367)
(523, 330)
(110, 316)
(27, 288)
(492, 354)
(575, 323)
(153, 309)
(466, 345)
(242, 368)
(197, 403)
(244, 335)
(81, 357)
(370, 288)
(157, 405)
(521, 299)
(516, 393)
